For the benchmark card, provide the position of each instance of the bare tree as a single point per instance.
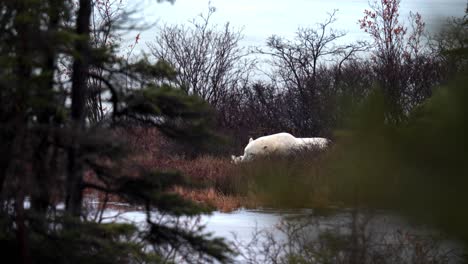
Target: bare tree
(403, 65)
(209, 60)
(448, 44)
(105, 19)
(300, 65)
(298, 61)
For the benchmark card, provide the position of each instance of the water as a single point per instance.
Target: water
(241, 223)
(256, 232)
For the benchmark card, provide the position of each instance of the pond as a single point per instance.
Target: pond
(264, 234)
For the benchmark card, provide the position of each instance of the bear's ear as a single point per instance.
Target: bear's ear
(250, 140)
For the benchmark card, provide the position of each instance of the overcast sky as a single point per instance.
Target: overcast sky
(263, 18)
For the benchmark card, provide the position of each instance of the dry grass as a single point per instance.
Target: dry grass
(216, 199)
(213, 181)
(298, 181)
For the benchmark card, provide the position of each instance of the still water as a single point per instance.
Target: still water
(252, 230)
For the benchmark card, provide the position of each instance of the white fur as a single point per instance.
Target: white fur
(280, 144)
(315, 142)
(236, 160)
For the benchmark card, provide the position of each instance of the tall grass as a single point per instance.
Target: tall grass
(296, 181)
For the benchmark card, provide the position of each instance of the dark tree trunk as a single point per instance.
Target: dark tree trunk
(21, 230)
(15, 167)
(41, 199)
(79, 82)
(16, 120)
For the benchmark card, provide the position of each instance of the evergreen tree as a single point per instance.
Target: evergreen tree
(47, 144)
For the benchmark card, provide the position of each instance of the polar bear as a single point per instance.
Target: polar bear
(278, 144)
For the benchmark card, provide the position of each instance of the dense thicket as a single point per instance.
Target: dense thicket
(416, 168)
(308, 84)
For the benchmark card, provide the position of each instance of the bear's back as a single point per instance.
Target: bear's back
(277, 143)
